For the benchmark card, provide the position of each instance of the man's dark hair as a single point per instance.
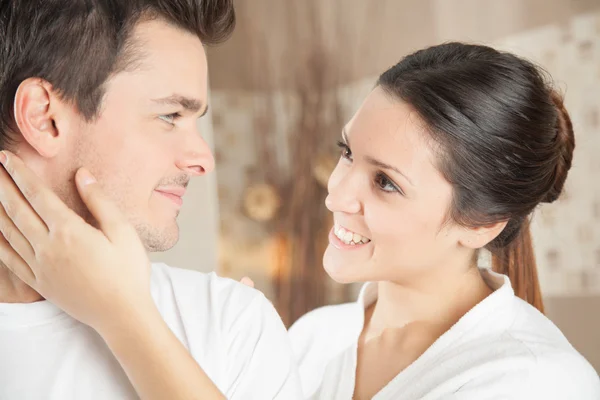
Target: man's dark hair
(76, 45)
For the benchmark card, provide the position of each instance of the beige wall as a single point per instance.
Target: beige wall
(366, 48)
(578, 317)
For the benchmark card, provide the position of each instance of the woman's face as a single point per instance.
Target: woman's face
(387, 196)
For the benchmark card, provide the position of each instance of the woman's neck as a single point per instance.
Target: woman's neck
(438, 300)
(14, 290)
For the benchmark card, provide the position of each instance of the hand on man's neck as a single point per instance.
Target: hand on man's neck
(14, 290)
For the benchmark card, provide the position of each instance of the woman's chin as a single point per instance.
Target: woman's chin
(338, 269)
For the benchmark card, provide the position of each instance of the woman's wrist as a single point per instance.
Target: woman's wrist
(156, 362)
(130, 321)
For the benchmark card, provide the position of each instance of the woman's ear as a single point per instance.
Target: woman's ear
(479, 237)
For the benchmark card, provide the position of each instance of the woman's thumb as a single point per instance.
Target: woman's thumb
(105, 211)
(84, 178)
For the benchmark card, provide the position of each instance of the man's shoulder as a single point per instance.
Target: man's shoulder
(163, 274)
(195, 294)
(231, 329)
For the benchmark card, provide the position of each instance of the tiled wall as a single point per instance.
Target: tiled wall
(567, 233)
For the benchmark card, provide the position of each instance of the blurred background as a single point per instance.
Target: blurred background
(296, 70)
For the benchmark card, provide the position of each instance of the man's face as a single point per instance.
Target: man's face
(145, 146)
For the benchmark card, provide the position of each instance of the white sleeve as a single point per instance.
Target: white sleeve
(557, 376)
(563, 376)
(261, 366)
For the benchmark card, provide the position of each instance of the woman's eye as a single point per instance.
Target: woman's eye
(346, 152)
(385, 184)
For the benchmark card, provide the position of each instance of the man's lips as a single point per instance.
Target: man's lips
(174, 194)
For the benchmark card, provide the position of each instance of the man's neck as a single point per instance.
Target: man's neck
(14, 290)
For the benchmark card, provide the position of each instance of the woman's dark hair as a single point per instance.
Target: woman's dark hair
(77, 44)
(504, 139)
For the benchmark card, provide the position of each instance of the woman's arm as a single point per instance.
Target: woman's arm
(157, 364)
(100, 276)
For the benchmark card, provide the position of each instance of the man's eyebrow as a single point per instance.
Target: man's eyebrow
(188, 103)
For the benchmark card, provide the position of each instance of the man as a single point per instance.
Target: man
(117, 86)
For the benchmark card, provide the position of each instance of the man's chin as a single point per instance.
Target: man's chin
(159, 249)
(157, 240)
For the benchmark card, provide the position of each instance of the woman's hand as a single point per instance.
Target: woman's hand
(247, 281)
(100, 276)
(97, 275)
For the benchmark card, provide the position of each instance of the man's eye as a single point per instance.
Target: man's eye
(170, 118)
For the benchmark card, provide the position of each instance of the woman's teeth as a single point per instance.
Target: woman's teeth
(348, 237)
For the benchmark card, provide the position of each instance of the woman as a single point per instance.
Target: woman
(450, 153)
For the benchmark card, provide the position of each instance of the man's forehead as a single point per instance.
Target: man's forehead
(157, 43)
(167, 62)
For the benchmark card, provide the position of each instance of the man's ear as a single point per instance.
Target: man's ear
(479, 237)
(35, 109)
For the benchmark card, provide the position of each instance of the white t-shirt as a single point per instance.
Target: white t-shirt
(502, 349)
(233, 332)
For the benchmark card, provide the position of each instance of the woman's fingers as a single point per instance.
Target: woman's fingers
(11, 233)
(247, 281)
(109, 217)
(14, 262)
(35, 208)
(29, 192)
